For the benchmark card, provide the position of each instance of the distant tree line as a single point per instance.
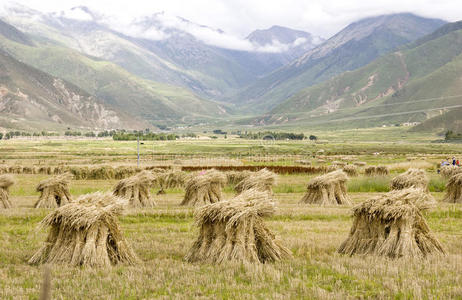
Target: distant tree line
(12, 134)
(272, 135)
(105, 133)
(219, 131)
(451, 135)
(144, 136)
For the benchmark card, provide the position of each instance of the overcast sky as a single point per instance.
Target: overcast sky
(240, 17)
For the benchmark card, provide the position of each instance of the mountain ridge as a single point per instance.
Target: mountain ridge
(413, 84)
(32, 97)
(351, 48)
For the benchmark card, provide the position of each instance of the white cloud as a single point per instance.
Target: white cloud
(161, 24)
(76, 13)
(239, 17)
(299, 41)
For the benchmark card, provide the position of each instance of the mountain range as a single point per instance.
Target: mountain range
(354, 46)
(418, 81)
(161, 70)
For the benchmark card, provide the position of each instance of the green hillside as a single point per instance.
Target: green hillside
(410, 85)
(179, 59)
(450, 120)
(152, 101)
(353, 47)
(31, 99)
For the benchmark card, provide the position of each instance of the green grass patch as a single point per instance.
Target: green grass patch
(369, 185)
(437, 184)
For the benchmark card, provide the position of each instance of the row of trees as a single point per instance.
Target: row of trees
(146, 135)
(12, 134)
(105, 133)
(273, 135)
(143, 136)
(451, 136)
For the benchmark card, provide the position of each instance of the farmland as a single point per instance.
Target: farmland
(161, 236)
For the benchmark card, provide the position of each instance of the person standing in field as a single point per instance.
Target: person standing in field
(453, 161)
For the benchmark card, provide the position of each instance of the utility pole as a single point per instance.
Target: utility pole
(138, 150)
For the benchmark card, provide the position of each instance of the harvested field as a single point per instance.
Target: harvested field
(161, 236)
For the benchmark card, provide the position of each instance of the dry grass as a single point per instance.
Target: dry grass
(327, 189)
(339, 164)
(204, 188)
(161, 236)
(262, 180)
(234, 177)
(392, 225)
(403, 166)
(171, 179)
(351, 170)
(234, 231)
(86, 233)
(412, 178)
(136, 189)
(454, 189)
(54, 191)
(449, 171)
(6, 181)
(377, 171)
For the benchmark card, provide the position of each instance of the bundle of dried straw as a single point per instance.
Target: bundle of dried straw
(54, 191)
(136, 189)
(5, 182)
(392, 225)
(327, 189)
(86, 232)
(206, 187)
(262, 180)
(454, 189)
(412, 178)
(233, 230)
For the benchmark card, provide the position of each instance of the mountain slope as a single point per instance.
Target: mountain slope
(32, 99)
(10, 32)
(152, 101)
(159, 48)
(89, 37)
(419, 81)
(353, 47)
(450, 120)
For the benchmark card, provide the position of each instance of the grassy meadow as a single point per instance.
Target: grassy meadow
(162, 235)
